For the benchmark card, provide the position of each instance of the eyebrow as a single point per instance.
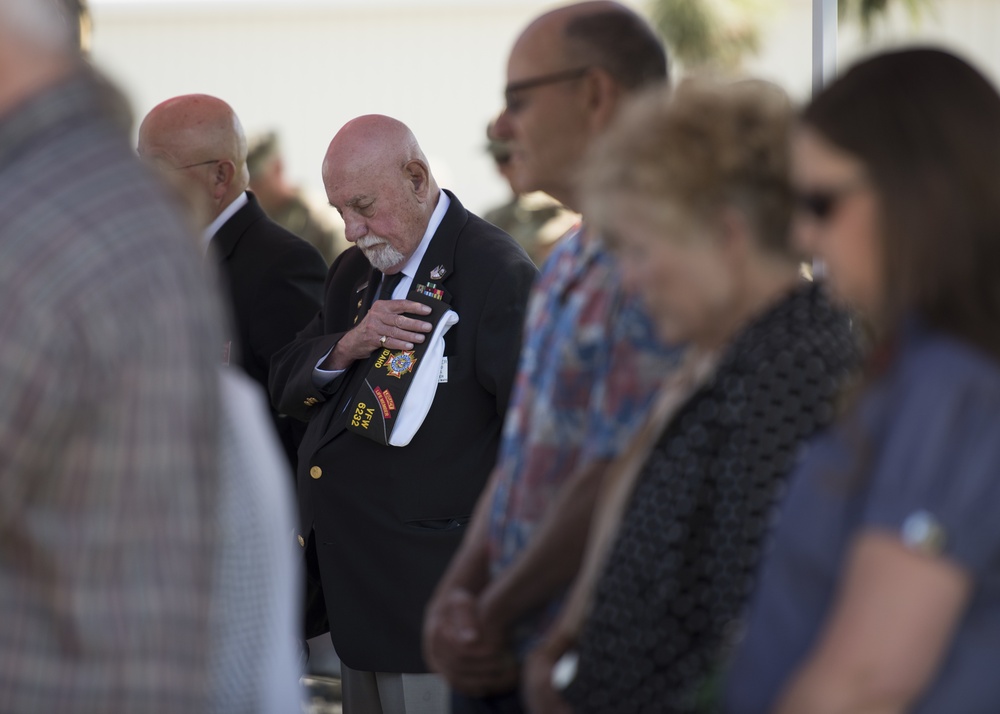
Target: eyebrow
(356, 200)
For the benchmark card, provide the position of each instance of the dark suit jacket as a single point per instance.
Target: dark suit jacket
(274, 280)
(386, 520)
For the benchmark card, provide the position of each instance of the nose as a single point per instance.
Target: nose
(354, 228)
(502, 126)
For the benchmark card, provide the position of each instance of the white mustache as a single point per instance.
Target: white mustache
(370, 241)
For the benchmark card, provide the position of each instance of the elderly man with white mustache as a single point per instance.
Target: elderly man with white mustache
(404, 378)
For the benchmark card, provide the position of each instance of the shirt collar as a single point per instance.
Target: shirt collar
(220, 220)
(411, 265)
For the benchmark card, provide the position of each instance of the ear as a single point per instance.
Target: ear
(222, 178)
(603, 95)
(419, 177)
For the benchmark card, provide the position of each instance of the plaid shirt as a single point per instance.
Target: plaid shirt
(590, 367)
(108, 422)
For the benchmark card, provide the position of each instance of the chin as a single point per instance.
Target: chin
(384, 257)
(520, 185)
(521, 178)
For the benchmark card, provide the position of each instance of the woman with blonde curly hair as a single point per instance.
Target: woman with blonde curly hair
(692, 189)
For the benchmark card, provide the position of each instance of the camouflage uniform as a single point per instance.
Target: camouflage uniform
(536, 221)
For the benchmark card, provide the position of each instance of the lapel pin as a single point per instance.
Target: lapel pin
(438, 272)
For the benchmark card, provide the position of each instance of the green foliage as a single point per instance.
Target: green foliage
(868, 12)
(720, 33)
(698, 33)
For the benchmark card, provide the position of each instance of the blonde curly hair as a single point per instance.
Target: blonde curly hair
(709, 144)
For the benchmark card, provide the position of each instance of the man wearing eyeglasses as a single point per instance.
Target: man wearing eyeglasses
(589, 366)
(274, 279)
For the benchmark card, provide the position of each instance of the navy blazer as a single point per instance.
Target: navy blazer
(386, 520)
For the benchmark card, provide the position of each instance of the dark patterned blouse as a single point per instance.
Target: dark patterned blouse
(682, 566)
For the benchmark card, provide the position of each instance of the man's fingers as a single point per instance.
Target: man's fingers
(400, 306)
(403, 335)
(401, 322)
(400, 339)
(400, 332)
(410, 306)
(389, 310)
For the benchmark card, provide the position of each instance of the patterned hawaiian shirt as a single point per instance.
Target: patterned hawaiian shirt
(590, 366)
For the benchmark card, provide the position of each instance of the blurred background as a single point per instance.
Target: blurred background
(303, 68)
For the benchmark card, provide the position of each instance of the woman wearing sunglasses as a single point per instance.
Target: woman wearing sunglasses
(692, 190)
(882, 590)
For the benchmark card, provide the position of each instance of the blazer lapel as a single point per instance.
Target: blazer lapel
(364, 292)
(438, 263)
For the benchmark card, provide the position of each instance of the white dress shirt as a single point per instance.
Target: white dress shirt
(220, 220)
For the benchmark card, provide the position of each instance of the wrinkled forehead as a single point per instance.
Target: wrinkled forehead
(354, 182)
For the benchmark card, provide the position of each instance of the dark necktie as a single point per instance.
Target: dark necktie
(389, 283)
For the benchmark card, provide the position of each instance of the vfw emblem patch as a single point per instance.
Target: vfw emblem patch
(401, 363)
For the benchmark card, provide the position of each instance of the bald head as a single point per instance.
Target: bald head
(199, 140)
(373, 143)
(190, 128)
(379, 180)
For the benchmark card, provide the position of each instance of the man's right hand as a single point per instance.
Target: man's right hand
(457, 647)
(385, 319)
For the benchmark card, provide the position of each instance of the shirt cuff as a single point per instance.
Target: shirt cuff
(323, 377)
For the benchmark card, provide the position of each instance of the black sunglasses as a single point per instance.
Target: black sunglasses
(820, 203)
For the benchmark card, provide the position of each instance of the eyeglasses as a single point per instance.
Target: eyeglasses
(821, 203)
(200, 163)
(510, 93)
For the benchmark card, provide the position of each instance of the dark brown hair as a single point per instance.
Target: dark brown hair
(926, 126)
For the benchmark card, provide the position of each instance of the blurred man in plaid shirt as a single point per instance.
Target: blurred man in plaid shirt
(126, 581)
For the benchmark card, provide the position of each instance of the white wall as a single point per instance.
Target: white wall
(307, 66)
